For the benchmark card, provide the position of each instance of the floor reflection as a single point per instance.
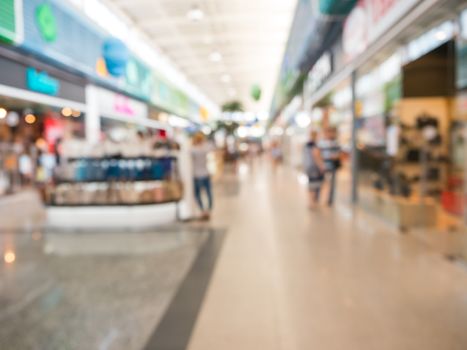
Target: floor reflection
(90, 291)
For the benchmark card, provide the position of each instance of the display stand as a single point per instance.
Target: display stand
(114, 193)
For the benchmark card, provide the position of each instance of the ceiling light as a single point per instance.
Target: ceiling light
(441, 35)
(207, 40)
(277, 131)
(257, 131)
(195, 14)
(206, 130)
(178, 122)
(263, 116)
(215, 56)
(242, 132)
(3, 113)
(76, 114)
(226, 78)
(303, 120)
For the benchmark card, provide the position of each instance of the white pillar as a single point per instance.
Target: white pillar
(93, 119)
(187, 206)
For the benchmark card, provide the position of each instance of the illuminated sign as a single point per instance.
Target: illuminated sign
(319, 73)
(46, 22)
(369, 20)
(41, 82)
(7, 20)
(114, 105)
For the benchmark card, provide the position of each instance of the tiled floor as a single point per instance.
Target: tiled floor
(90, 291)
(331, 279)
(284, 278)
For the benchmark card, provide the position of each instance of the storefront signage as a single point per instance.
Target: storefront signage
(116, 56)
(41, 82)
(429, 41)
(54, 31)
(38, 78)
(8, 27)
(369, 20)
(114, 105)
(319, 73)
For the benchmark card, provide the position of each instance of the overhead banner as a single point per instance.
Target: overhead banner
(56, 32)
(336, 7)
(118, 106)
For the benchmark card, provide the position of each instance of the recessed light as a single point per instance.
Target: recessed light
(207, 40)
(195, 14)
(215, 56)
(226, 78)
(441, 35)
(3, 113)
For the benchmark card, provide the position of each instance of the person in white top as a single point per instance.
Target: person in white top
(202, 180)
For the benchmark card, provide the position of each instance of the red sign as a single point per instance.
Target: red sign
(380, 8)
(369, 20)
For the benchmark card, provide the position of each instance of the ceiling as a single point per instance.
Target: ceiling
(250, 35)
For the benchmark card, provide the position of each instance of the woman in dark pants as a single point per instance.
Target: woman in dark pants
(314, 168)
(202, 179)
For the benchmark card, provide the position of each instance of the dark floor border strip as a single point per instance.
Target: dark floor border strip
(175, 329)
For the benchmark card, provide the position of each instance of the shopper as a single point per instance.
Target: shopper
(276, 154)
(314, 167)
(331, 153)
(202, 180)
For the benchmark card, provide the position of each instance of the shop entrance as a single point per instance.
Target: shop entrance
(427, 164)
(30, 137)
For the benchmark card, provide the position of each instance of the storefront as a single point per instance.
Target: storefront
(40, 107)
(129, 169)
(410, 174)
(403, 93)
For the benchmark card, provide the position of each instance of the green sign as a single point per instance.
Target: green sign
(7, 21)
(392, 93)
(46, 22)
(336, 7)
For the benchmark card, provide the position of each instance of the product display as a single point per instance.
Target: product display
(115, 181)
(114, 193)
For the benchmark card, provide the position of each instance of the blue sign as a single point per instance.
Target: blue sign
(41, 82)
(116, 56)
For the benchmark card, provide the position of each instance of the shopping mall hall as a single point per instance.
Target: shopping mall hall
(233, 174)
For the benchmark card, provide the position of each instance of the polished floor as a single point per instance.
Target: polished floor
(332, 279)
(266, 273)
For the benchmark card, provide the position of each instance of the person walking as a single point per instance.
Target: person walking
(314, 167)
(202, 180)
(276, 154)
(331, 153)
